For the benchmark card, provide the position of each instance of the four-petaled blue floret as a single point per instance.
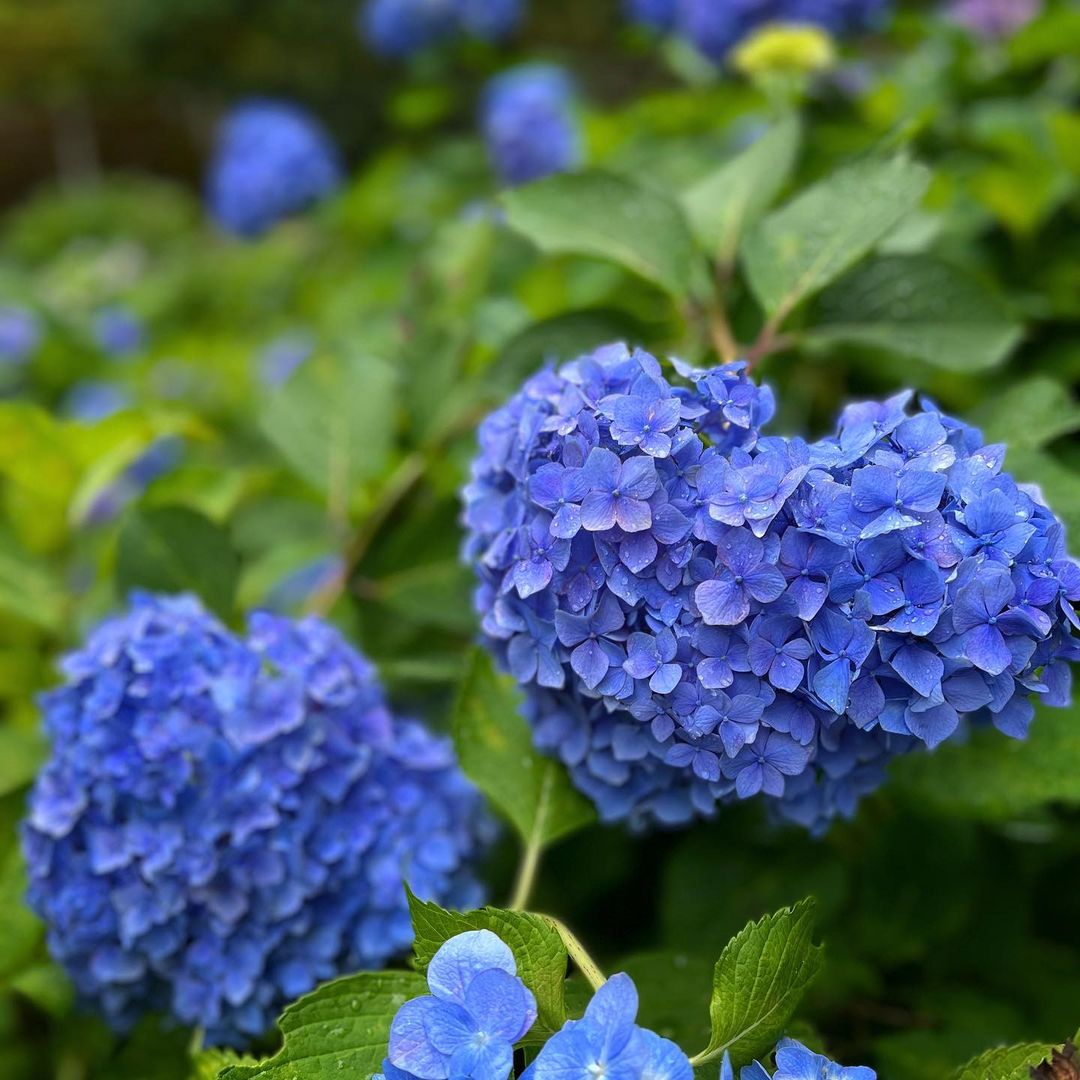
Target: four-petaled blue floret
(400, 28)
(796, 1062)
(272, 159)
(713, 27)
(699, 612)
(528, 122)
(467, 1026)
(606, 1042)
(225, 822)
(20, 334)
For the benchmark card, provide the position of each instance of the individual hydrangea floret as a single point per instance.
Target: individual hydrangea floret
(467, 1026)
(607, 1042)
(118, 332)
(714, 27)
(20, 334)
(225, 822)
(796, 1062)
(529, 125)
(272, 159)
(994, 19)
(400, 28)
(700, 612)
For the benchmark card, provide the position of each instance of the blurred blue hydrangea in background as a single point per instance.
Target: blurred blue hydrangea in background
(277, 361)
(529, 123)
(714, 26)
(225, 822)
(400, 28)
(92, 400)
(698, 611)
(992, 19)
(272, 159)
(20, 334)
(119, 333)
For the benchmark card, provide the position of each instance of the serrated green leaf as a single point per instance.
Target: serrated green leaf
(334, 422)
(208, 1064)
(174, 549)
(722, 206)
(825, 230)
(1029, 413)
(1004, 1063)
(758, 981)
(993, 777)
(340, 1029)
(537, 947)
(494, 745)
(610, 217)
(918, 306)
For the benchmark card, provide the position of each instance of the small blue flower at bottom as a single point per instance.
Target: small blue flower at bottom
(797, 1062)
(467, 1026)
(607, 1043)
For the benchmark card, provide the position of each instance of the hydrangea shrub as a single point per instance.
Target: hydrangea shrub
(699, 612)
(225, 822)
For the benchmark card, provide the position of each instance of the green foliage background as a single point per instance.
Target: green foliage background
(951, 905)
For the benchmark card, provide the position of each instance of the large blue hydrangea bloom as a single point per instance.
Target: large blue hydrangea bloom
(528, 122)
(400, 28)
(225, 822)
(797, 1062)
(698, 612)
(713, 27)
(272, 160)
(467, 1026)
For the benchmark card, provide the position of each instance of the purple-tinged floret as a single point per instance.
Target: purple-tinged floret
(225, 822)
(720, 613)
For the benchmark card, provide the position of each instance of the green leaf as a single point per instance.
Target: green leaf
(813, 239)
(722, 206)
(334, 422)
(758, 981)
(340, 1029)
(1005, 1063)
(993, 777)
(921, 307)
(174, 549)
(208, 1064)
(28, 590)
(494, 745)
(1029, 414)
(537, 947)
(22, 931)
(610, 217)
(21, 754)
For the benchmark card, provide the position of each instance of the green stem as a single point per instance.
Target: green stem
(582, 960)
(526, 879)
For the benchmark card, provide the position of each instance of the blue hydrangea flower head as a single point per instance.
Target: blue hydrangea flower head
(994, 19)
(20, 334)
(118, 332)
(698, 611)
(92, 400)
(272, 159)
(529, 123)
(607, 1042)
(400, 28)
(795, 1062)
(714, 27)
(282, 356)
(226, 821)
(467, 1026)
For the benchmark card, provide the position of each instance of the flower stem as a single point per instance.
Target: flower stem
(526, 879)
(582, 960)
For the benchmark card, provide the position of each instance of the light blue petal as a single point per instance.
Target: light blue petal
(458, 960)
